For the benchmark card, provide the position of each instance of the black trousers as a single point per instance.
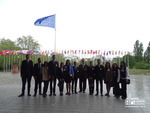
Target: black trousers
(24, 80)
(61, 85)
(52, 85)
(45, 88)
(91, 85)
(124, 88)
(116, 89)
(82, 84)
(99, 81)
(74, 84)
(38, 83)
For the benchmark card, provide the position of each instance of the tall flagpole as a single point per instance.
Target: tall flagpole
(55, 35)
(55, 42)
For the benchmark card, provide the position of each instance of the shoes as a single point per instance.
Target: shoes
(50, 94)
(54, 94)
(29, 95)
(80, 91)
(34, 95)
(44, 95)
(106, 94)
(83, 91)
(40, 93)
(76, 93)
(123, 98)
(66, 93)
(101, 94)
(61, 94)
(96, 94)
(21, 95)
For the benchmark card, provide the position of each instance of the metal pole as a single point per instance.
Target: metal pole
(128, 61)
(55, 42)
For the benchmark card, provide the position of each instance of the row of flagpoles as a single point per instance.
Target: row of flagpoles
(67, 52)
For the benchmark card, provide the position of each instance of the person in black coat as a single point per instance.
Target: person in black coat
(68, 70)
(38, 77)
(52, 68)
(124, 76)
(116, 80)
(82, 76)
(91, 74)
(61, 77)
(99, 76)
(26, 74)
(75, 78)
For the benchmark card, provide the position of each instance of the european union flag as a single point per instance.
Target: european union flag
(48, 21)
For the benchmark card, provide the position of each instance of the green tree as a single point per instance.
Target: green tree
(138, 51)
(147, 54)
(7, 44)
(27, 42)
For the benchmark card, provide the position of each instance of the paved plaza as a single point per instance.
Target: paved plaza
(10, 87)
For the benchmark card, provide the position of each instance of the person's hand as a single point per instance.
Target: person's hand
(34, 77)
(72, 77)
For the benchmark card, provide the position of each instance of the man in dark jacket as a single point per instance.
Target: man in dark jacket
(26, 74)
(75, 78)
(52, 68)
(38, 77)
(82, 75)
(99, 75)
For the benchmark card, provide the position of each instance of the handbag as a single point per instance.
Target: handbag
(128, 81)
(111, 84)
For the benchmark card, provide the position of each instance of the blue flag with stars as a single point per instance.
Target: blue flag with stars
(48, 21)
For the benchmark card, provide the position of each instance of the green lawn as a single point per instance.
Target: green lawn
(139, 71)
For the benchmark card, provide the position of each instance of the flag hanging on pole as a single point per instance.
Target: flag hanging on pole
(48, 21)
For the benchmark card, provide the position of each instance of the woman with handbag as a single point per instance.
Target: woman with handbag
(124, 74)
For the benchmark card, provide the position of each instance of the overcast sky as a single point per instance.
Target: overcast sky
(80, 24)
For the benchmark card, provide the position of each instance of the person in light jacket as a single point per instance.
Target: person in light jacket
(45, 78)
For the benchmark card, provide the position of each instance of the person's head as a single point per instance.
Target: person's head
(67, 62)
(91, 63)
(39, 60)
(122, 64)
(107, 65)
(53, 57)
(83, 61)
(75, 63)
(61, 65)
(45, 64)
(27, 57)
(98, 61)
(115, 66)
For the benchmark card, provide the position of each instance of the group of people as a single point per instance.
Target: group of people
(49, 72)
